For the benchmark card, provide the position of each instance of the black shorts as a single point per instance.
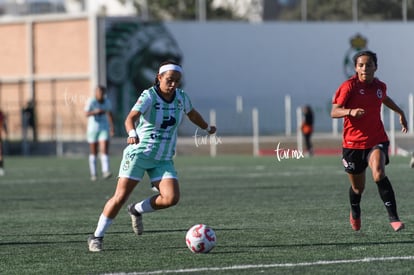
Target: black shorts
(355, 161)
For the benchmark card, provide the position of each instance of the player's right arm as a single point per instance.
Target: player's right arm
(90, 111)
(339, 111)
(130, 120)
(95, 112)
(338, 103)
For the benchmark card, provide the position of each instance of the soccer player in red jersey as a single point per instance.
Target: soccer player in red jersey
(365, 143)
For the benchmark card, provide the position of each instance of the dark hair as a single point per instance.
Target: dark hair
(101, 87)
(307, 108)
(371, 54)
(156, 82)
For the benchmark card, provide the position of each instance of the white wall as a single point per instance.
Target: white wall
(264, 62)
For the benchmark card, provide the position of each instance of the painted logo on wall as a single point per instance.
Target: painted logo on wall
(358, 43)
(134, 50)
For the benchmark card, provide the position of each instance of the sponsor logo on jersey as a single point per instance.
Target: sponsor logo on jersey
(180, 105)
(157, 106)
(379, 93)
(168, 121)
(159, 136)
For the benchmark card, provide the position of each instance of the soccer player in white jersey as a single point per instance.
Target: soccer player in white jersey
(100, 129)
(151, 147)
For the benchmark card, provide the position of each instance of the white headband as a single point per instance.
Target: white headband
(170, 67)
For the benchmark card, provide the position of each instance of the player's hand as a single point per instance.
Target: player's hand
(133, 140)
(357, 112)
(211, 130)
(403, 122)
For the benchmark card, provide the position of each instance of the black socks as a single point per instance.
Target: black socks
(388, 197)
(355, 199)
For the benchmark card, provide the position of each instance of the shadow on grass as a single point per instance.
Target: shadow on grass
(83, 234)
(38, 242)
(163, 231)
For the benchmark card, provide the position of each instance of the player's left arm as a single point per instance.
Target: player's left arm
(393, 106)
(198, 120)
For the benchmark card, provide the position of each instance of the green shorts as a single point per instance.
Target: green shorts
(98, 135)
(134, 165)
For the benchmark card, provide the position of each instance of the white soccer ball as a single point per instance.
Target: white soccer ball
(200, 238)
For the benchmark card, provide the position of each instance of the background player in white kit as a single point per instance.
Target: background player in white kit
(100, 129)
(151, 147)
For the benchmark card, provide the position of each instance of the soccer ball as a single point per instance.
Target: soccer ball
(200, 238)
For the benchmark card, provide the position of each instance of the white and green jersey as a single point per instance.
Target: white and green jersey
(98, 122)
(159, 121)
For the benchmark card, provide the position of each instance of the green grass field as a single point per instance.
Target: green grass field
(270, 217)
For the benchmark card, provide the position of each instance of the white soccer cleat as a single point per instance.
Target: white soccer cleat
(95, 244)
(107, 175)
(136, 220)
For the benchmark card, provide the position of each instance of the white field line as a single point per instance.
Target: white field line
(242, 267)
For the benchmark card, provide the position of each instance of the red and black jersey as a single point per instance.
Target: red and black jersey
(367, 131)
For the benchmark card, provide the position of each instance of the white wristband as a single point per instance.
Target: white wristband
(132, 133)
(208, 129)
